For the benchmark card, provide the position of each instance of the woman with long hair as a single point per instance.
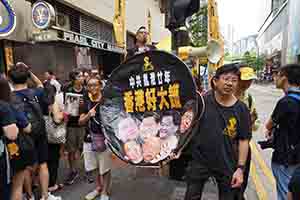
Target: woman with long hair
(56, 113)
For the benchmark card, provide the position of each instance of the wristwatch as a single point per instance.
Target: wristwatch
(241, 167)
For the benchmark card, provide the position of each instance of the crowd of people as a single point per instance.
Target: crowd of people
(29, 157)
(30, 150)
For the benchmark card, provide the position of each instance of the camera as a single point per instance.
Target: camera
(267, 144)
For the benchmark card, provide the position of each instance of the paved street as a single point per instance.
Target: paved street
(146, 184)
(266, 98)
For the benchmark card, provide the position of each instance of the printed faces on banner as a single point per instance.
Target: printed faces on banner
(155, 137)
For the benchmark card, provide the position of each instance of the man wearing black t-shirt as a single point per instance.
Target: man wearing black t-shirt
(75, 132)
(140, 42)
(221, 142)
(284, 127)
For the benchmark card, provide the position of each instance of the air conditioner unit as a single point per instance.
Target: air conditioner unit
(63, 21)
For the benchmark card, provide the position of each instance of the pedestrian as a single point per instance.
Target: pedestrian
(22, 158)
(54, 150)
(75, 132)
(283, 127)
(95, 73)
(247, 76)
(51, 78)
(140, 42)
(221, 141)
(294, 186)
(8, 130)
(30, 101)
(96, 154)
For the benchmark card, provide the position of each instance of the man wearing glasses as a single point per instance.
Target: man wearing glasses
(140, 42)
(221, 141)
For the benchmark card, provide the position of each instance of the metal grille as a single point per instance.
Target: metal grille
(88, 26)
(106, 32)
(96, 29)
(73, 15)
(84, 24)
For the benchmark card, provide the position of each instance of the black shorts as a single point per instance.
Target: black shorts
(41, 149)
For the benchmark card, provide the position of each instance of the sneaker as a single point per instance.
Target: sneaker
(52, 197)
(92, 195)
(104, 197)
(72, 177)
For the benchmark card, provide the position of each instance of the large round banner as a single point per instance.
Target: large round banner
(149, 106)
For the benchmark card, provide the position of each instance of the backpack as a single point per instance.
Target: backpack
(30, 105)
(293, 150)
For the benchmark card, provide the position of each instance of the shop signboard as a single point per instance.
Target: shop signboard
(8, 20)
(43, 15)
(87, 41)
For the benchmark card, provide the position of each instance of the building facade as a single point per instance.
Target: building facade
(80, 34)
(247, 44)
(279, 36)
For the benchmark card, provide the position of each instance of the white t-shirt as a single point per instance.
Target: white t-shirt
(56, 84)
(59, 99)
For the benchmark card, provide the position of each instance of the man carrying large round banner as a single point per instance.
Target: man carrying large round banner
(150, 105)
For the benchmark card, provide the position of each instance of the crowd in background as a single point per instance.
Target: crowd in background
(30, 154)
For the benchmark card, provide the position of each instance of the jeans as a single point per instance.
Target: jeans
(282, 176)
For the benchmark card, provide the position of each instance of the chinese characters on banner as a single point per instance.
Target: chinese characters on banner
(162, 94)
(149, 107)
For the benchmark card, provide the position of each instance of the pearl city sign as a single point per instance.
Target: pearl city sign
(8, 19)
(83, 40)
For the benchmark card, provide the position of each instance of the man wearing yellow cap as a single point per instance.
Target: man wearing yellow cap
(247, 75)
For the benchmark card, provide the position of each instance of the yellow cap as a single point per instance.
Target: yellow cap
(247, 73)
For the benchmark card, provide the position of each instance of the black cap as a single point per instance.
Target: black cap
(233, 67)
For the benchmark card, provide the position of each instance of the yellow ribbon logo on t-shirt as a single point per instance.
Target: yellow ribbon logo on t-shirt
(230, 129)
(13, 150)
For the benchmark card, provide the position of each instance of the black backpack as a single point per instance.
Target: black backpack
(293, 150)
(30, 105)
